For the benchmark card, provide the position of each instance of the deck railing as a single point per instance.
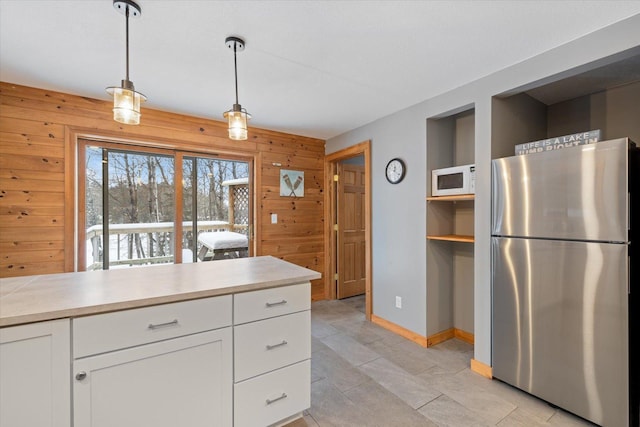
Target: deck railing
(141, 231)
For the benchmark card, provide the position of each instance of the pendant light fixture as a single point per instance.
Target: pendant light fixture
(237, 116)
(126, 101)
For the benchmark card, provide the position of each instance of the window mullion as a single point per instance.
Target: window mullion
(105, 209)
(194, 207)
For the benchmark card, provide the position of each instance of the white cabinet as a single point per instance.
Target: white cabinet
(182, 381)
(164, 365)
(274, 396)
(270, 344)
(127, 328)
(35, 373)
(241, 359)
(272, 353)
(266, 303)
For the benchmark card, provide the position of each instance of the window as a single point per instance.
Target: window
(221, 206)
(130, 197)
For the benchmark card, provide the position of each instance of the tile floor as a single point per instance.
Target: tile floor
(364, 375)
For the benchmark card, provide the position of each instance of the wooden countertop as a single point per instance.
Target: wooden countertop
(54, 296)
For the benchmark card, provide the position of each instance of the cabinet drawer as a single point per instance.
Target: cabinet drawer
(128, 328)
(270, 344)
(257, 305)
(272, 397)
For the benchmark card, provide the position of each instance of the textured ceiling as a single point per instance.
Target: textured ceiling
(316, 68)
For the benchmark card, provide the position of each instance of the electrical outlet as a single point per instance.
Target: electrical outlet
(398, 302)
(274, 218)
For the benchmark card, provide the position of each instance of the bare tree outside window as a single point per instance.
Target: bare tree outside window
(140, 198)
(212, 205)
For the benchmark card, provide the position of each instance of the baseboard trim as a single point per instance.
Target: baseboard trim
(481, 369)
(465, 336)
(397, 329)
(441, 336)
(419, 339)
(447, 334)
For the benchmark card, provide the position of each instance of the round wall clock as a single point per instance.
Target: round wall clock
(395, 170)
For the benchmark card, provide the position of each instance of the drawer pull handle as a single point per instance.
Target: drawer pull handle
(274, 304)
(270, 401)
(81, 375)
(152, 326)
(280, 344)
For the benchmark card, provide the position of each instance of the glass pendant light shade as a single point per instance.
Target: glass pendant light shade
(237, 118)
(126, 103)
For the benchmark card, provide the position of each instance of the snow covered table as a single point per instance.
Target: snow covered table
(221, 243)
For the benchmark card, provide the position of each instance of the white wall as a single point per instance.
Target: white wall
(399, 229)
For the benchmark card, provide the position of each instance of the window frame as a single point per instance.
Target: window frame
(177, 152)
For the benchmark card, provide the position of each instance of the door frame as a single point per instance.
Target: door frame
(330, 169)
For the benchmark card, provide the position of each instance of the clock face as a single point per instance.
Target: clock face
(395, 171)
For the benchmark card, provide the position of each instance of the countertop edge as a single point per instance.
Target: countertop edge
(133, 303)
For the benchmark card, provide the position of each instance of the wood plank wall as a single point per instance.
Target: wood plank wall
(36, 177)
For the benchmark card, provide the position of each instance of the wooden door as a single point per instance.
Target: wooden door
(351, 231)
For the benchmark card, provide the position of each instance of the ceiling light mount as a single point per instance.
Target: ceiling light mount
(237, 116)
(122, 6)
(126, 101)
(234, 43)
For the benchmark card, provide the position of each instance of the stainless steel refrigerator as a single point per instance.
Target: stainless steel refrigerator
(564, 310)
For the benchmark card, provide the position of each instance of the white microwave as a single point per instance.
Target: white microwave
(453, 181)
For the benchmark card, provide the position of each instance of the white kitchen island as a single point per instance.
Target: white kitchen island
(215, 343)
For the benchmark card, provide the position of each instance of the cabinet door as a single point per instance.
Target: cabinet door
(34, 375)
(183, 381)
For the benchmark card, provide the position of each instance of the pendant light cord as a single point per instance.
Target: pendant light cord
(126, 14)
(235, 66)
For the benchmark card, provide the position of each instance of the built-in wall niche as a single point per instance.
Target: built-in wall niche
(605, 97)
(450, 230)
